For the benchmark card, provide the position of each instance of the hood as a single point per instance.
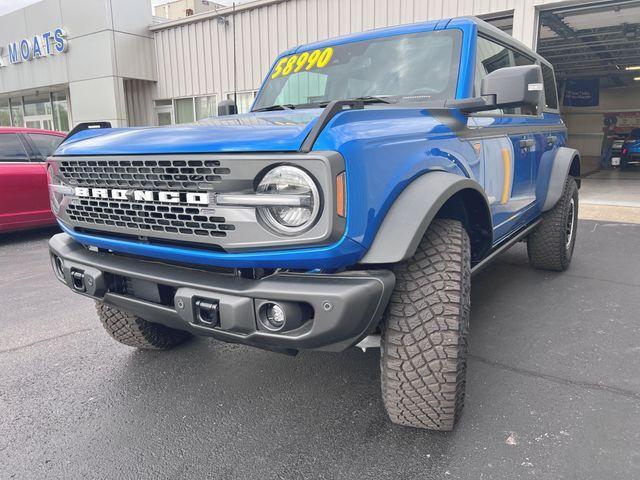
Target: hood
(253, 132)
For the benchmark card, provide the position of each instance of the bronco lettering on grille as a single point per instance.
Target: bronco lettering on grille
(190, 198)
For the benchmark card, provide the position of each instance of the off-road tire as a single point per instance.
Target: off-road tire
(424, 336)
(136, 332)
(550, 246)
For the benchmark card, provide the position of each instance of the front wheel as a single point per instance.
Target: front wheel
(136, 332)
(424, 340)
(550, 246)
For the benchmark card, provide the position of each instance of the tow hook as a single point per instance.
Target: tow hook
(207, 313)
(77, 278)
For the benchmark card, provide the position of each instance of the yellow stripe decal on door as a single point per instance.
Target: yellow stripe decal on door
(506, 185)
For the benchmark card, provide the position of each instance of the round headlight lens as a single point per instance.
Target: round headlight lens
(295, 183)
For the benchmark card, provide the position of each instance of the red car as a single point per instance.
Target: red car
(24, 196)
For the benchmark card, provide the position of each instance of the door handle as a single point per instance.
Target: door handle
(526, 143)
(551, 140)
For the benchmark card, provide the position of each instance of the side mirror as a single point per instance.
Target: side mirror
(515, 86)
(504, 88)
(227, 107)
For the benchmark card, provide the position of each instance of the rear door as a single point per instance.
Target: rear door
(551, 137)
(24, 199)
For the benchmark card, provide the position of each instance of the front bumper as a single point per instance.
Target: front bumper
(324, 311)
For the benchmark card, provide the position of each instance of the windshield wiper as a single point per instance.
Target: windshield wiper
(287, 106)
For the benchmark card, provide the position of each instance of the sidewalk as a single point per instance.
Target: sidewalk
(611, 195)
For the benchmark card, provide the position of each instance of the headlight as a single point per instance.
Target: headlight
(295, 183)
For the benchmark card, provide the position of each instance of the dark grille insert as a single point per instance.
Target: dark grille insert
(149, 174)
(148, 217)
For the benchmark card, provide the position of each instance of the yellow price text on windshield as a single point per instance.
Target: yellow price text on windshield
(304, 61)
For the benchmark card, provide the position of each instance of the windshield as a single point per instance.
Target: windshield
(421, 65)
(635, 134)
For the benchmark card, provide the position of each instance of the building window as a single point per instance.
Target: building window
(185, 110)
(38, 112)
(164, 112)
(206, 107)
(60, 111)
(244, 100)
(48, 111)
(5, 113)
(17, 114)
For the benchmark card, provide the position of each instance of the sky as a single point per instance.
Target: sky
(7, 6)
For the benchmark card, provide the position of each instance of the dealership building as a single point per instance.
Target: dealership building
(69, 61)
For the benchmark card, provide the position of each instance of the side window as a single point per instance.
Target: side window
(550, 91)
(11, 148)
(491, 56)
(45, 144)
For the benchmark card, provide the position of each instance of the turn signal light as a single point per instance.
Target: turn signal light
(341, 195)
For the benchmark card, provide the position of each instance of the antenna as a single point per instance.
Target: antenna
(235, 68)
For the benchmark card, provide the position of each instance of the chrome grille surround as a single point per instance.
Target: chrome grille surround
(229, 228)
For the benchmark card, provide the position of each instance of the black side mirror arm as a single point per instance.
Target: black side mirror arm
(472, 105)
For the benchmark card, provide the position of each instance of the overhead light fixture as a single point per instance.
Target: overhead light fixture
(637, 79)
(634, 67)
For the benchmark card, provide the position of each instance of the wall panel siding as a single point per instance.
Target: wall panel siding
(195, 57)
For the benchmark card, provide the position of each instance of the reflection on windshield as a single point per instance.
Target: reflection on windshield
(423, 65)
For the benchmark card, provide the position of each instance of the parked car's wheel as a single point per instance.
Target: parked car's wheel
(550, 246)
(424, 339)
(136, 332)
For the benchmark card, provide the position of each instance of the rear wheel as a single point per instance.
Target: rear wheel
(550, 246)
(424, 340)
(133, 331)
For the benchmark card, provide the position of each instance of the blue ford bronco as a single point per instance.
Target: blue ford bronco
(374, 175)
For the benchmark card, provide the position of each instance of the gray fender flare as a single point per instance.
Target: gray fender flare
(562, 166)
(413, 211)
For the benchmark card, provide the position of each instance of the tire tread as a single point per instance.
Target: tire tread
(136, 332)
(424, 344)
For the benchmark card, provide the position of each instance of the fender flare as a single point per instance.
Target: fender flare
(414, 209)
(566, 162)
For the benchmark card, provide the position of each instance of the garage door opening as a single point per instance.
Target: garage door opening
(595, 50)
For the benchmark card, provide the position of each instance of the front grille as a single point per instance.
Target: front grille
(143, 173)
(123, 196)
(148, 218)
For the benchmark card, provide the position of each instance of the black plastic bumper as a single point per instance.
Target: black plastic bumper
(324, 311)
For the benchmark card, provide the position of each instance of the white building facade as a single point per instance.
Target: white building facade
(71, 61)
(117, 66)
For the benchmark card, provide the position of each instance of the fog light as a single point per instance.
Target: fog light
(275, 317)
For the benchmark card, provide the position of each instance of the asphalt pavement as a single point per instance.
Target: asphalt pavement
(553, 386)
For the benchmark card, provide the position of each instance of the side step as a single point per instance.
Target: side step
(503, 247)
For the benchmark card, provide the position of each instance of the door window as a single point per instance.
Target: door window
(11, 149)
(490, 57)
(45, 145)
(550, 92)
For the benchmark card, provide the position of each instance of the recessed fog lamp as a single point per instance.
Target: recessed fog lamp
(274, 317)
